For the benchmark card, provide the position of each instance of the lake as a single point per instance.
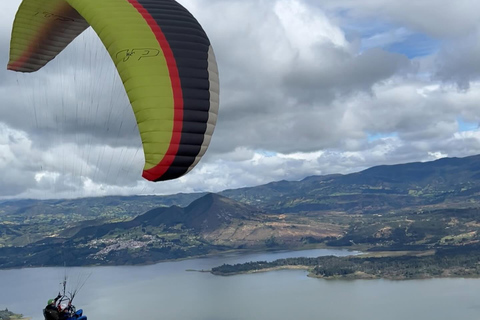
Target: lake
(167, 291)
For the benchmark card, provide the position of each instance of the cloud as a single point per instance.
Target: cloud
(459, 61)
(288, 74)
(16, 164)
(307, 88)
(450, 19)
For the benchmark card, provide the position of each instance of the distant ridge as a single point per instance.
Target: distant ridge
(378, 189)
(440, 183)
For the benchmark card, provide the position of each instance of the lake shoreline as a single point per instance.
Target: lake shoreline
(397, 266)
(244, 251)
(282, 295)
(355, 276)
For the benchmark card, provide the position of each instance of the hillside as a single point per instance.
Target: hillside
(417, 206)
(448, 182)
(8, 315)
(208, 213)
(212, 223)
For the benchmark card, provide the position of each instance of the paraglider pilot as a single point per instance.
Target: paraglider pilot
(51, 310)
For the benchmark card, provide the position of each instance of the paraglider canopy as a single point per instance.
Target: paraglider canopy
(163, 56)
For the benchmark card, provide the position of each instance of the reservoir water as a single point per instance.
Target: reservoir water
(168, 291)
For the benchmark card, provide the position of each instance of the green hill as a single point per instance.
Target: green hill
(415, 206)
(448, 182)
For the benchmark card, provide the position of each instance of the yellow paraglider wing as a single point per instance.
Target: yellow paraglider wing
(164, 59)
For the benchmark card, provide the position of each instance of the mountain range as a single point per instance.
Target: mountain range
(441, 183)
(414, 205)
(444, 182)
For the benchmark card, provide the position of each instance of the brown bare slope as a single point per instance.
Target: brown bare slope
(214, 211)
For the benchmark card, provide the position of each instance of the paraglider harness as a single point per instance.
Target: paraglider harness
(69, 312)
(64, 309)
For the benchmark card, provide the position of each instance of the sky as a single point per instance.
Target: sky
(307, 87)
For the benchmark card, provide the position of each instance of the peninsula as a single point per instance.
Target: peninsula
(458, 262)
(8, 315)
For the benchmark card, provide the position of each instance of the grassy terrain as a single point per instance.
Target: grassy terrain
(8, 315)
(142, 241)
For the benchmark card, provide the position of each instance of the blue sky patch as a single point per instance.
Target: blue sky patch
(266, 153)
(466, 126)
(415, 45)
(377, 136)
(392, 38)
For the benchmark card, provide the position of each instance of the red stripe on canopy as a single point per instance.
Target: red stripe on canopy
(155, 173)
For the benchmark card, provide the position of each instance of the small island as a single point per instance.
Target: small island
(435, 264)
(8, 315)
